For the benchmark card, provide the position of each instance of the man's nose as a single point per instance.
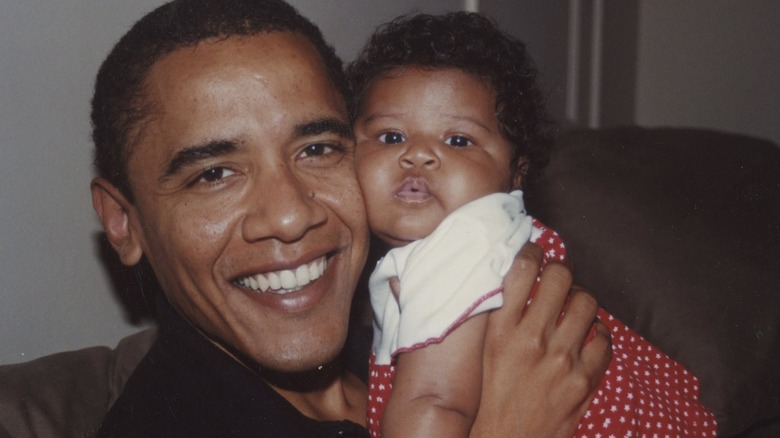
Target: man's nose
(282, 207)
(420, 153)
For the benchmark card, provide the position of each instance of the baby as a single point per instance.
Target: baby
(450, 124)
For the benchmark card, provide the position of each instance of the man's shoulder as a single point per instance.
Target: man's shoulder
(185, 386)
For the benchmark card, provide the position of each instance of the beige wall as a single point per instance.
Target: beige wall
(53, 292)
(542, 26)
(697, 63)
(712, 64)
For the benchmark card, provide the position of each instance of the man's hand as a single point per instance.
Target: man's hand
(538, 378)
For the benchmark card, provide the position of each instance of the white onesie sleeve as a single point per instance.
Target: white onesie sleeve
(454, 273)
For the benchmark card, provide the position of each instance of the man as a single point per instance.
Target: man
(225, 159)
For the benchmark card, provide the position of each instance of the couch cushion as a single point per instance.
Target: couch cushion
(677, 232)
(67, 394)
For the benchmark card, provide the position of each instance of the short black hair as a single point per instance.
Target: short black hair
(118, 104)
(470, 42)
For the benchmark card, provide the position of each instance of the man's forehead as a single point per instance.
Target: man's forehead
(275, 47)
(270, 58)
(206, 92)
(273, 59)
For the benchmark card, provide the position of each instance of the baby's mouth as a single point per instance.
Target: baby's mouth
(413, 189)
(287, 280)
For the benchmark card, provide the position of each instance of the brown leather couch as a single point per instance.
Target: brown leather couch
(67, 394)
(677, 231)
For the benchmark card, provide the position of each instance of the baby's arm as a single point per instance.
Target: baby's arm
(437, 388)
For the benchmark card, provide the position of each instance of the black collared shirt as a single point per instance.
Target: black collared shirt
(186, 386)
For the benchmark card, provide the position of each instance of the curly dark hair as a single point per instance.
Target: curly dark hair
(119, 106)
(470, 42)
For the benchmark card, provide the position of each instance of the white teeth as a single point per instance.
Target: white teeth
(315, 270)
(302, 274)
(276, 282)
(263, 283)
(286, 281)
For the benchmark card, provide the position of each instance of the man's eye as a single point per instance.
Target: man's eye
(392, 138)
(458, 141)
(214, 174)
(318, 149)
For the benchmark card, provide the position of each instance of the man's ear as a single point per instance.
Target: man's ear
(520, 171)
(114, 211)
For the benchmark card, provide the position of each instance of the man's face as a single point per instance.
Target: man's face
(247, 205)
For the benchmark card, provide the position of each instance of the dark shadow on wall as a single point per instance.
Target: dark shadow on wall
(604, 63)
(135, 287)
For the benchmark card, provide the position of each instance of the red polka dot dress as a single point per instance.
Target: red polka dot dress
(644, 393)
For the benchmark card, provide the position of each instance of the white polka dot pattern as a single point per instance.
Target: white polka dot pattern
(644, 393)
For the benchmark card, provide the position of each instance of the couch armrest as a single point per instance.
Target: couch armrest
(677, 232)
(67, 394)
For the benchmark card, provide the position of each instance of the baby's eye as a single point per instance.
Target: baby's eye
(458, 141)
(392, 138)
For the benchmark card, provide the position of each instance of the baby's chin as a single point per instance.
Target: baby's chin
(396, 240)
(406, 230)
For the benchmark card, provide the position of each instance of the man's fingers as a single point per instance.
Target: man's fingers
(579, 315)
(547, 304)
(597, 354)
(518, 284)
(585, 335)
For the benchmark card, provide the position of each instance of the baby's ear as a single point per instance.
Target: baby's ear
(520, 170)
(117, 214)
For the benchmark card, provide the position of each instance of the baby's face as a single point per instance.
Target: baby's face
(428, 141)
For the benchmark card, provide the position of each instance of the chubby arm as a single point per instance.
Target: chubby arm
(538, 378)
(437, 388)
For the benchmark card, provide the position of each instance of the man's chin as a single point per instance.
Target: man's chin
(300, 357)
(302, 377)
(292, 361)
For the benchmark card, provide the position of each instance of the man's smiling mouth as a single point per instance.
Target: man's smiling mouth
(287, 280)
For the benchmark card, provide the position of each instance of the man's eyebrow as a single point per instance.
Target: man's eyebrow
(323, 126)
(193, 154)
